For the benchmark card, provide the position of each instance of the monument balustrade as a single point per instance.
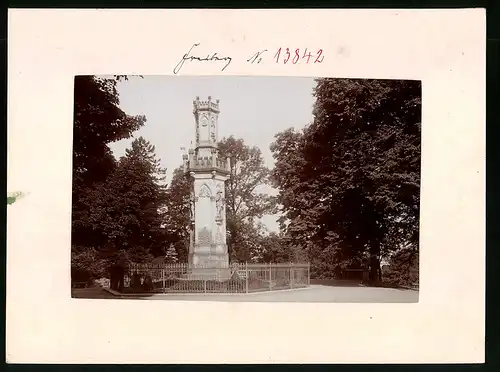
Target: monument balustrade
(208, 163)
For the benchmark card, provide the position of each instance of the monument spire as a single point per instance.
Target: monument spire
(209, 172)
(206, 115)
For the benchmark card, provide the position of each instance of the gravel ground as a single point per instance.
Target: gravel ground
(315, 293)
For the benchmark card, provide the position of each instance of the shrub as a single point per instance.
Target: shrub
(147, 285)
(102, 282)
(403, 269)
(86, 265)
(135, 282)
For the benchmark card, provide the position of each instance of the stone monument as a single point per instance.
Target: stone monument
(207, 247)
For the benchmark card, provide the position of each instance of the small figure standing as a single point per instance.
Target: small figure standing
(191, 204)
(219, 204)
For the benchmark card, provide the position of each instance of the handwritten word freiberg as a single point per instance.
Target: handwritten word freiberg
(213, 57)
(285, 55)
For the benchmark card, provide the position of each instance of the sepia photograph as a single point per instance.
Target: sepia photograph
(236, 178)
(272, 189)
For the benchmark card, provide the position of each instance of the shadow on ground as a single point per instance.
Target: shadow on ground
(356, 283)
(336, 282)
(100, 293)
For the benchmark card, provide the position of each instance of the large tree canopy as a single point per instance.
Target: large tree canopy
(247, 200)
(139, 181)
(98, 121)
(176, 218)
(124, 212)
(350, 182)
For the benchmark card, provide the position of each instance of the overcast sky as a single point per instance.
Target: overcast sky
(252, 108)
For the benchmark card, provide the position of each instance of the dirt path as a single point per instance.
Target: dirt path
(315, 293)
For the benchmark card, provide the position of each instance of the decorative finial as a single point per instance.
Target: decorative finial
(209, 98)
(217, 101)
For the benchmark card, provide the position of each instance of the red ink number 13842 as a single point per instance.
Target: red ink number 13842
(285, 55)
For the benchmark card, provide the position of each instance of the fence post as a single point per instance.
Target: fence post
(163, 280)
(308, 274)
(204, 286)
(270, 277)
(246, 277)
(291, 275)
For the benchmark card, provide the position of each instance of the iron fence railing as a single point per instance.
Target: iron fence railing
(236, 278)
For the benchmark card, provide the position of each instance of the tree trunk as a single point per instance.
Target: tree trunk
(375, 261)
(374, 268)
(113, 282)
(120, 277)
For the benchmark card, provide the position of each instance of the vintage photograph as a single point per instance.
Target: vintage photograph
(244, 188)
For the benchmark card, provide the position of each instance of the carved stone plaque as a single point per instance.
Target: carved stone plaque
(204, 236)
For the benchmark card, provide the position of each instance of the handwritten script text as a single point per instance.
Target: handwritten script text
(286, 55)
(281, 56)
(208, 58)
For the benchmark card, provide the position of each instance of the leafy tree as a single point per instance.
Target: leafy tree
(273, 249)
(349, 183)
(171, 254)
(250, 234)
(290, 178)
(86, 264)
(123, 213)
(98, 121)
(245, 199)
(404, 266)
(130, 216)
(176, 220)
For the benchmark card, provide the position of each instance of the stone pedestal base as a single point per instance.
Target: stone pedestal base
(209, 256)
(209, 263)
